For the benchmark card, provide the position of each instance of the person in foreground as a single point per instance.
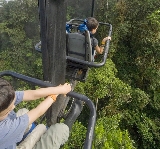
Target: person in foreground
(92, 25)
(13, 127)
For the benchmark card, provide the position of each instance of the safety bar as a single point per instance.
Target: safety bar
(106, 48)
(89, 103)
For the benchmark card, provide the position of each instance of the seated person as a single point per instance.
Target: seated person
(92, 25)
(12, 128)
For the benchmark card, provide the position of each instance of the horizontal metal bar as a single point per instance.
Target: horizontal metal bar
(89, 103)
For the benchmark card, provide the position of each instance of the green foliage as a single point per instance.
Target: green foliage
(103, 84)
(146, 127)
(98, 78)
(156, 102)
(29, 105)
(77, 137)
(128, 84)
(143, 129)
(19, 33)
(78, 9)
(70, 12)
(132, 89)
(117, 97)
(140, 100)
(155, 18)
(135, 38)
(109, 136)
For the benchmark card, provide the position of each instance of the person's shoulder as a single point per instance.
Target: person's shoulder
(9, 121)
(9, 125)
(5, 125)
(95, 38)
(13, 129)
(19, 92)
(19, 96)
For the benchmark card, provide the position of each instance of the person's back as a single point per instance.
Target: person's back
(92, 25)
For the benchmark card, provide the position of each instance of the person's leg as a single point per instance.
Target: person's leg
(55, 136)
(30, 141)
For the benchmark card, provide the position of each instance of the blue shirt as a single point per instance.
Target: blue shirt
(12, 128)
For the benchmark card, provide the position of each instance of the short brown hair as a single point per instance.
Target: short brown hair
(7, 94)
(92, 23)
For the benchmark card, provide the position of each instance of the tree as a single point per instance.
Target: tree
(108, 135)
(19, 34)
(127, 85)
(136, 57)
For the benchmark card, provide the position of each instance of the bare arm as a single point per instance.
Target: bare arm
(43, 92)
(40, 109)
(101, 48)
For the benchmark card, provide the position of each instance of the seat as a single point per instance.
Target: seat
(79, 46)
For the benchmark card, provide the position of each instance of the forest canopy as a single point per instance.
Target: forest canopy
(126, 91)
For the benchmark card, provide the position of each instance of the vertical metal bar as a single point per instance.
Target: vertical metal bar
(92, 10)
(43, 34)
(53, 36)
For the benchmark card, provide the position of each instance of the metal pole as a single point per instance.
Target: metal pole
(92, 10)
(53, 20)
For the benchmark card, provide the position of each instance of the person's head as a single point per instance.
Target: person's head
(92, 24)
(7, 95)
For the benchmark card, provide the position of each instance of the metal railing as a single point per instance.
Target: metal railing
(106, 48)
(89, 103)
